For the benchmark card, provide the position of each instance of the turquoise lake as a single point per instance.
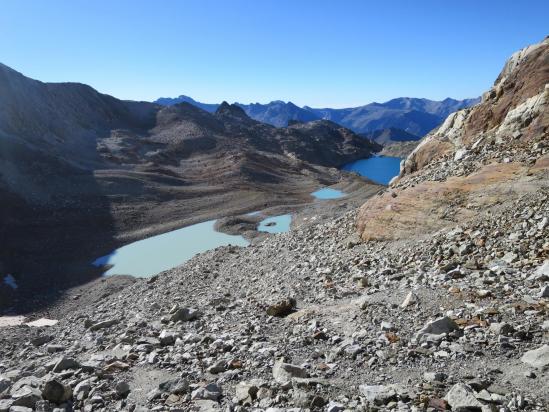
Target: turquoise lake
(327, 193)
(380, 169)
(149, 256)
(275, 224)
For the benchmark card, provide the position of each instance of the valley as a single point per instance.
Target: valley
(294, 267)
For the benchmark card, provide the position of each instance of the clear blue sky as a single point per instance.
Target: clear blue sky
(321, 53)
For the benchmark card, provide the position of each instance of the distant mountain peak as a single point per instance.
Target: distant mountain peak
(231, 110)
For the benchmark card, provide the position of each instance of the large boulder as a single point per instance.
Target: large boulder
(284, 372)
(538, 358)
(436, 329)
(54, 391)
(378, 394)
(461, 397)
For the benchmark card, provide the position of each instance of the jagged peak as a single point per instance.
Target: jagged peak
(231, 110)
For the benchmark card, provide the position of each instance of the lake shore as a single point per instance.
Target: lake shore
(61, 258)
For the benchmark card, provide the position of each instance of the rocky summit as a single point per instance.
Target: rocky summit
(432, 296)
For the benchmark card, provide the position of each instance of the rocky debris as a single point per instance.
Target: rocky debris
(444, 319)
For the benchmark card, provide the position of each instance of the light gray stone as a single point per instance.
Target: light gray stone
(538, 358)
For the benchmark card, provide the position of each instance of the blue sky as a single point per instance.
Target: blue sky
(336, 53)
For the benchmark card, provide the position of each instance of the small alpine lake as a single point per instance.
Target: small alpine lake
(162, 252)
(328, 193)
(380, 169)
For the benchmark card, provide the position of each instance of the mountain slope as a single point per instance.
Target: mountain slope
(390, 135)
(416, 116)
(82, 172)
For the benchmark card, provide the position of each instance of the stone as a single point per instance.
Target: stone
(335, 407)
(20, 409)
(538, 358)
(122, 388)
(284, 372)
(410, 299)
(167, 337)
(246, 393)
(5, 384)
(282, 308)
(541, 273)
(103, 324)
(54, 391)
(203, 405)
(437, 327)
(185, 315)
(55, 348)
(65, 363)
(218, 367)
(210, 392)
(82, 389)
(460, 154)
(387, 326)
(502, 328)
(378, 394)
(26, 396)
(5, 405)
(462, 397)
(434, 376)
(41, 340)
(544, 293)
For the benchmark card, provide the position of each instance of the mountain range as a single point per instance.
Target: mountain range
(413, 115)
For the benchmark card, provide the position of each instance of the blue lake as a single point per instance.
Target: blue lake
(380, 169)
(275, 224)
(155, 254)
(327, 193)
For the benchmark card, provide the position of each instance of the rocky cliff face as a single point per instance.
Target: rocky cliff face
(513, 114)
(494, 152)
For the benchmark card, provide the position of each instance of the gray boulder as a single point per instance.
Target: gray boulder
(434, 329)
(185, 315)
(538, 358)
(65, 363)
(210, 392)
(462, 397)
(378, 394)
(54, 391)
(284, 372)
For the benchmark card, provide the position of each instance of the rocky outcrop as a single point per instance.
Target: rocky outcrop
(513, 112)
(480, 158)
